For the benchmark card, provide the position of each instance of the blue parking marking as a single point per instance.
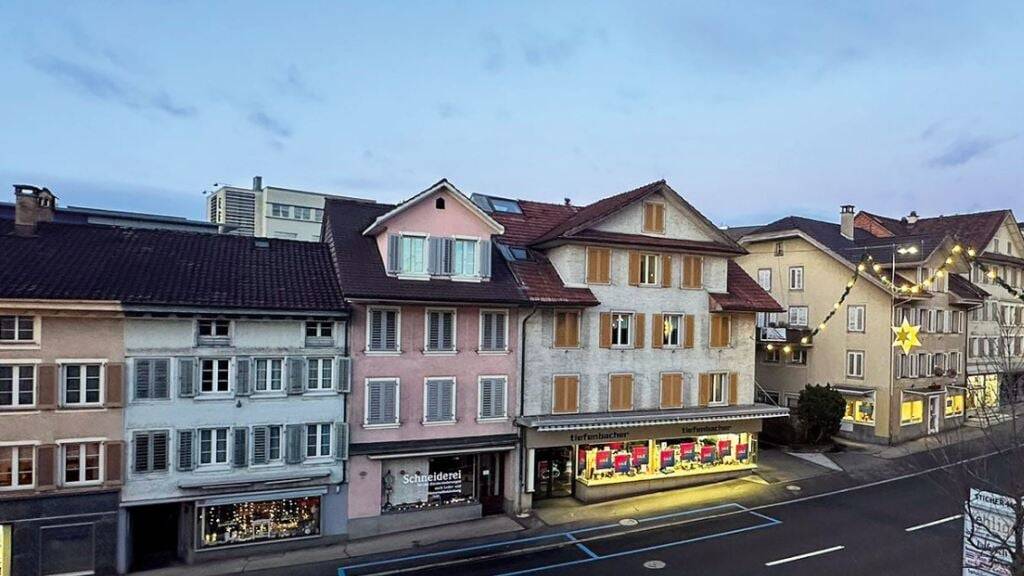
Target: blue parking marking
(582, 546)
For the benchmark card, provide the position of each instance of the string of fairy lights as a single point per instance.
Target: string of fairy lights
(868, 264)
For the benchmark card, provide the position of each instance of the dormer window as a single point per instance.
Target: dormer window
(464, 263)
(413, 261)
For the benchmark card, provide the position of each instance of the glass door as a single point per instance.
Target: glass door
(934, 413)
(553, 477)
(490, 484)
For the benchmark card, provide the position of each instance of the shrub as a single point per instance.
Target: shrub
(820, 410)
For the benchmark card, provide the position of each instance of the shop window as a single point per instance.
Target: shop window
(954, 405)
(69, 549)
(269, 375)
(860, 411)
(566, 394)
(599, 265)
(17, 467)
(567, 329)
(672, 390)
(721, 331)
(693, 272)
(81, 463)
(911, 411)
(17, 329)
(213, 376)
(418, 483)
(17, 386)
(620, 392)
(249, 522)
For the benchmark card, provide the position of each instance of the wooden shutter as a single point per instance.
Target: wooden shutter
(606, 265)
(657, 330)
(114, 393)
(704, 393)
(447, 256)
(260, 445)
(485, 258)
(341, 441)
(666, 270)
(142, 372)
(606, 330)
(114, 462)
(566, 394)
(343, 379)
(734, 388)
(186, 377)
(693, 271)
(716, 331)
(374, 402)
(389, 402)
(296, 375)
(639, 330)
(499, 330)
(671, 390)
(186, 450)
(688, 330)
(46, 466)
(47, 385)
(634, 268)
(293, 448)
(394, 257)
(598, 265)
(620, 395)
(567, 329)
(243, 376)
(498, 397)
(240, 450)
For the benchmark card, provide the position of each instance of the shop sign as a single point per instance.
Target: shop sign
(535, 439)
(5, 550)
(437, 483)
(988, 523)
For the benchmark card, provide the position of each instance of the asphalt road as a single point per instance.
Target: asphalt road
(905, 526)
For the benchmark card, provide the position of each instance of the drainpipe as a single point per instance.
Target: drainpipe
(522, 400)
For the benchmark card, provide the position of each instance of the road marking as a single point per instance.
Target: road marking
(802, 556)
(582, 546)
(935, 523)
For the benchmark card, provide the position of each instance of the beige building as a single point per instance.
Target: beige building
(807, 265)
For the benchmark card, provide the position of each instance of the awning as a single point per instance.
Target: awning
(924, 391)
(463, 445)
(261, 497)
(854, 390)
(250, 479)
(592, 421)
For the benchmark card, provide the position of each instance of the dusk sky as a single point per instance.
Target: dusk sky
(750, 112)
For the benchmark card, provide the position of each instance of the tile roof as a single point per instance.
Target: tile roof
(600, 209)
(966, 289)
(744, 294)
(165, 268)
(543, 285)
(361, 273)
(641, 241)
(537, 219)
(975, 229)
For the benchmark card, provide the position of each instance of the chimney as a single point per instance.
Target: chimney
(568, 201)
(32, 205)
(257, 183)
(912, 218)
(846, 221)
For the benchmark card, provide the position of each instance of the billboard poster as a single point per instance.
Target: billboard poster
(988, 524)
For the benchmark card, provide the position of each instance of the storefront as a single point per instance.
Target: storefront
(600, 457)
(983, 392)
(859, 417)
(221, 523)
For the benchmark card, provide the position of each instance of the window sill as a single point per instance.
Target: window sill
(19, 410)
(422, 277)
(80, 409)
(493, 352)
(911, 423)
(207, 468)
(382, 426)
(563, 413)
(151, 400)
(471, 279)
(495, 420)
(440, 352)
(382, 352)
(320, 393)
(207, 397)
(20, 346)
(268, 395)
(440, 423)
(81, 484)
(312, 460)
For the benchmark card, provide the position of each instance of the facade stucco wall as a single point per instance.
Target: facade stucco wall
(423, 218)
(679, 223)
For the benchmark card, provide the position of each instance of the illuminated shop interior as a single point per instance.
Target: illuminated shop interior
(250, 522)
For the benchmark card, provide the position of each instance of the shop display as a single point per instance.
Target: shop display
(247, 522)
(418, 483)
(623, 462)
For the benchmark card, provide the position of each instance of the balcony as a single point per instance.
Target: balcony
(784, 335)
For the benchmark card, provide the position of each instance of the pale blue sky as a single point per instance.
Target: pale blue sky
(751, 111)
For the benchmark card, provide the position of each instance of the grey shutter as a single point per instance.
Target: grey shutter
(498, 398)
(487, 398)
(243, 376)
(447, 398)
(374, 403)
(159, 451)
(447, 256)
(186, 450)
(485, 258)
(161, 376)
(343, 379)
(240, 457)
(294, 450)
(186, 377)
(341, 441)
(433, 401)
(447, 330)
(394, 253)
(376, 321)
(388, 400)
(142, 463)
(143, 370)
(296, 375)
(260, 445)
(499, 330)
(433, 331)
(487, 331)
(390, 330)
(434, 247)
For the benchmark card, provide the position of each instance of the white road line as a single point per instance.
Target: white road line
(802, 556)
(935, 523)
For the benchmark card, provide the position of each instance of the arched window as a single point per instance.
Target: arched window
(439, 203)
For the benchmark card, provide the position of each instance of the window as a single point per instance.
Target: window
(922, 366)
(650, 269)
(280, 211)
(213, 332)
(439, 203)
(505, 206)
(68, 549)
(599, 267)
(620, 392)
(798, 316)
(439, 400)
(796, 278)
(213, 447)
(214, 376)
(798, 356)
(911, 411)
(152, 377)
(381, 402)
(671, 390)
(318, 441)
(854, 364)
(465, 258)
(954, 362)
(566, 395)
(493, 330)
(82, 384)
(780, 249)
(440, 331)
(318, 214)
(939, 363)
(150, 452)
(17, 467)
(860, 411)
(413, 248)
(672, 330)
(81, 463)
(268, 375)
(382, 332)
(319, 329)
(303, 213)
(17, 386)
(693, 272)
(855, 318)
(492, 397)
(266, 445)
(764, 278)
(567, 329)
(654, 217)
(771, 355)
(954, 405)
(721, 331)
(719, 381)
(319, 374)
(17, 329)
(621, 325)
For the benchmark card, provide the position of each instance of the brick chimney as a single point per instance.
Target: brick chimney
(32, 205)
(846, 221)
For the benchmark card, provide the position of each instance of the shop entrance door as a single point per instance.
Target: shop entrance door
(553, 476)
(934, 413)
(154, 534)
(489, 481)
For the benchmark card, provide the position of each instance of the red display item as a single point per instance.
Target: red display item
(668, 458)
(687, 452)
(581, 459)
(707, 454)
(615, 446)
(604, 459)
(640, 455)
(724, 448)
(741, 451)
(622, 463)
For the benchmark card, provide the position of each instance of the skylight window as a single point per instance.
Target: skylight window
(505, 206)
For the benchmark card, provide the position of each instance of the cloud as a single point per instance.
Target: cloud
(546, 50)
(272, 126)
(293, 83)
(103, 85)
(966, 149)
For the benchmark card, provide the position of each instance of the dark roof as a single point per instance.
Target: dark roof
(744, 294)
(543, 285)
(966, 289)
(737, 232)
(361, 272)
(80, 215)
(658, 243)
(975, 229)
(536, 220)
(166, 268)
(600, 209)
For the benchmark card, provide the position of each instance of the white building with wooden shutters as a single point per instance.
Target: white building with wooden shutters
(648, 383)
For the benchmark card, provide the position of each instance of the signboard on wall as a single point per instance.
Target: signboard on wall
(5, 550)
(536, 439)
(988, 523)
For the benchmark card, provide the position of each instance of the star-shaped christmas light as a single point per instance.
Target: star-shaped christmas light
(906, 336)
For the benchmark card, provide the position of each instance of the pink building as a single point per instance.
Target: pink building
(434, 338)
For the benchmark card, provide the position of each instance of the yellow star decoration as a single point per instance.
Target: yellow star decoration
(906, 336)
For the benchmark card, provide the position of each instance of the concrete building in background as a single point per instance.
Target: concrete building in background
(268, 211)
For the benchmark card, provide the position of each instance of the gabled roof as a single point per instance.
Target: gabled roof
(360, 267)
(744, 294)
(542, 284)
(378, 224)
(975, 229)
(965, 289)
(153, 267)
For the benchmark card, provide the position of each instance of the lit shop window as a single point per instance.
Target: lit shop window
(248, 522)
(860, 411)
(911, 412)
(417, 483)
(954, 405)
